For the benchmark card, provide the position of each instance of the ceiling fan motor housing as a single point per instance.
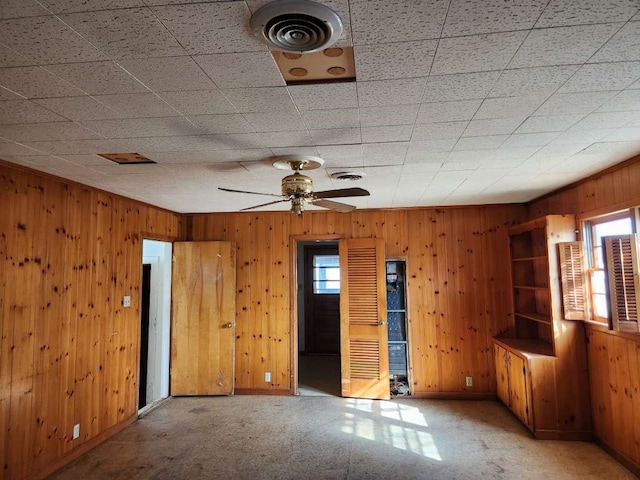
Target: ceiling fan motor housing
(298, 26)
(297, 185)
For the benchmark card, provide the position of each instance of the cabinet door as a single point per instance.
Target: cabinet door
(502, 374)
(518, 388)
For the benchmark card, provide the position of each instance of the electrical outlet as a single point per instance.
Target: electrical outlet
(126, 301)
(469, 381)
(76, 431)
(267, 377)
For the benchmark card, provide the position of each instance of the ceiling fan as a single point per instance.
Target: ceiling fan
(298, 188)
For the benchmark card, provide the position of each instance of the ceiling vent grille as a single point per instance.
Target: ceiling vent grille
(296, 26)
(353, 176)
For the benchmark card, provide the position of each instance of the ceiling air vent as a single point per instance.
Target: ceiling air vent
(348, 175)
(126, 158)
(296, 26)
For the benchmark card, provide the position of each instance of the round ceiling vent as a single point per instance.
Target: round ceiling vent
(296, 25)
(348, 175)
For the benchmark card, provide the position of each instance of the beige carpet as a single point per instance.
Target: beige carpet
(326, 437)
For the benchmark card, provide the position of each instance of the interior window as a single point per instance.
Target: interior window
(615, 224)
(326, 274)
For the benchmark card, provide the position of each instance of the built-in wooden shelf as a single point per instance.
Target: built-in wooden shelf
(532, 287)
(529, 259)
(536, 317)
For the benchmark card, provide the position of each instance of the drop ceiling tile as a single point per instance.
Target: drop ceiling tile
(468, 164)
(79, 108)
(470, 17)
(168, 73)
(394, 60)
(380, 21)
(622, 47)
(448, 111)
(436, 145)
(338, 118)
(86, 160)
(207, 157)
(627, 134)
(78, 147)
(562, 12)
(11, 58)
(599, 120)
(324, 97)
(460, 86)
(573, 103)
(142, 127)
(423, 162)
(237, 70)
(276, 152)
(390, 115)
(125, 33)
(562, 45)
(276, 121)
(47, 132)
(435, 131)
(26, 111)
(549, 123)
(506, 152)
(199, 102)
(138, 105)
(98, 78)
(336, 136)
(523, 81)
(9, 95)
(299, 138)
(20, 9)
(391, 92)
(521, 106)
(476, 53)
(603, 76)
(530, 139)
(220, 27)
(394, 133)
(340, 151)
(68, 6)
(11, 148)
(148, 146)
(214, 124)
(36, 82)
(493, 126)
(485, 142)
(623, 101)
(260, 100)
(46, 40)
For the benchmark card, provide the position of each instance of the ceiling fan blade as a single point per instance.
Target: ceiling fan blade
(264, 204)
(337, 206)
(244, 191)
(342, 192)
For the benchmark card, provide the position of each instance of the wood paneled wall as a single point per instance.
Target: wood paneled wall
(614, 359)
(68, 349)
(458, 286)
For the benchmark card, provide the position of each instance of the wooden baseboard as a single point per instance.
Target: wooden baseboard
(81, 449)
(631, 465)
(560, 435)
(454, 395)
(262, 391)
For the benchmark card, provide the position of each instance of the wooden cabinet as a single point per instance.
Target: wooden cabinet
(541, 366)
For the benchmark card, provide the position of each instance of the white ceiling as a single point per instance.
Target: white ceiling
(456, 101)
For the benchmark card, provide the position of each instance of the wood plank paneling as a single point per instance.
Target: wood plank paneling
(458, 286)
(612, 357)
(68, 350)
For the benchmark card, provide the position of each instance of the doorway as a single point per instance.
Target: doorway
(155, 324)
(318, 318)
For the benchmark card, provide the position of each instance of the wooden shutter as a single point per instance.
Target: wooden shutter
(364, 348)
(621, 257)
(572, 273)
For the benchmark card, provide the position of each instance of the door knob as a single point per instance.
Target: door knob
(381, 323)
(228, 325)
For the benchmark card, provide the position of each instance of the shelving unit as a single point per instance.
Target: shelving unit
(397, 327)
(541, 365)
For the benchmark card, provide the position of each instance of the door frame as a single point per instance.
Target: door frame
(293, 296)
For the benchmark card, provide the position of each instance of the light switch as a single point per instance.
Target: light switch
(126, 301)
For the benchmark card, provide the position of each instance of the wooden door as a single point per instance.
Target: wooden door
(321, 306)
(502, 374)
(518, 388)
(364, 348)
(203, 318)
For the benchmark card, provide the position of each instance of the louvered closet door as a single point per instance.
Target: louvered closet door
(363, 324)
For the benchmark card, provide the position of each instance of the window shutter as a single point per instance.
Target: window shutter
(572, 273)
(621, 256)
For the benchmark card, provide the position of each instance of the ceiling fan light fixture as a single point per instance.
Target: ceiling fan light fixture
(298, 26)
